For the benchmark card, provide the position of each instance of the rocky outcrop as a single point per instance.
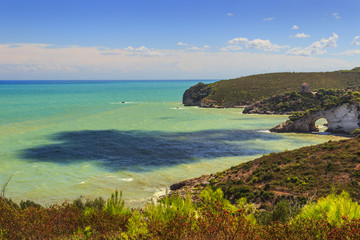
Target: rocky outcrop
(341, 119)
(253, 109)
(195, 94)
(178, 185)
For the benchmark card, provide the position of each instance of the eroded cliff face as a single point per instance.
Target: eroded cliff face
(341, 119)
(194, 95)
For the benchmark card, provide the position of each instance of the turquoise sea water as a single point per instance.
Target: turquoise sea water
(62, 140)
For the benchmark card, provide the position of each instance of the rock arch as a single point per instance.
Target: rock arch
(320, 121)
(341, 119)
(312, 123)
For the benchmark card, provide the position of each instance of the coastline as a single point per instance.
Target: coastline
(50, 149)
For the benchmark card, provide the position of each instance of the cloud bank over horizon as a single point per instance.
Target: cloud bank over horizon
(44, 61)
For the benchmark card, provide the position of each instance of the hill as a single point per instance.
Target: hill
(246, 90)
(308, 172)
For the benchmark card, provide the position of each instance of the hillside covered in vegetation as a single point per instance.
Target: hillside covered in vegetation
(308, 172)
(290, 102)
(246, 90)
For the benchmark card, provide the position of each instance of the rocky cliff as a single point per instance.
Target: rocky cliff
(194, 95)
(341, 119)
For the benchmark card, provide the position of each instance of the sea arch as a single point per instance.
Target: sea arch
(341, 119)
(322, 124)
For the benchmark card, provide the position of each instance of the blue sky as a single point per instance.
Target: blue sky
(172, 39)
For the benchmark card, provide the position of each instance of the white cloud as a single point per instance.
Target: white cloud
(336, 15)
(350, 52)
(28, 61)
(192, 47)
(182, 44)
(317, 48)
(142, 48)
(231, 48)
(295, 27)
(142, 51)
(238, 41)
(356, 40)
(269, 19)
(15, 45)
(230, 14)
(259, 44)
(36, 68)
(301, 35)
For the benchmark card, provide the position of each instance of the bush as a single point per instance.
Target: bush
(28, 203)
(356, 132)
(97, 203)
(332, 208)
(282, 212)
(333, 217)
(116, 205)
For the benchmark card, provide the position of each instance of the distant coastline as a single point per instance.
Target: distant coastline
(101, 81)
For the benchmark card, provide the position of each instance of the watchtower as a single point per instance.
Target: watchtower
(305, 87)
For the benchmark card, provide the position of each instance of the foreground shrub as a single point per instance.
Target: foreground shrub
(332, 208)
(218, 223)
(116, 205)
(213, 217)
(137, 227)
(57, 221)
(97, 203)
(41, 223)
(171, 216)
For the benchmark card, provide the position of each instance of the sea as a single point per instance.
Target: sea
(61, 140)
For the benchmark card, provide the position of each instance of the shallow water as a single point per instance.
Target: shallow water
(62, 140)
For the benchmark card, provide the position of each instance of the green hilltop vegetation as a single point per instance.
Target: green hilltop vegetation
(247, 90)
(299, 103)
(290, 195)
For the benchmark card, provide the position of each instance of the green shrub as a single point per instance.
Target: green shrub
(281, 212)
(28, 203)
(116, 205)
(356, 132)
(137, 227)
(167, 208)
(332, 208)
(97, 203)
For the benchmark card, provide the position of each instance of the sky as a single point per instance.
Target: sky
(175, 39)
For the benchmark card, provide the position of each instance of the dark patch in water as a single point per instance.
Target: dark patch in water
(140, 151)
(243, 119)
(165, 118)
